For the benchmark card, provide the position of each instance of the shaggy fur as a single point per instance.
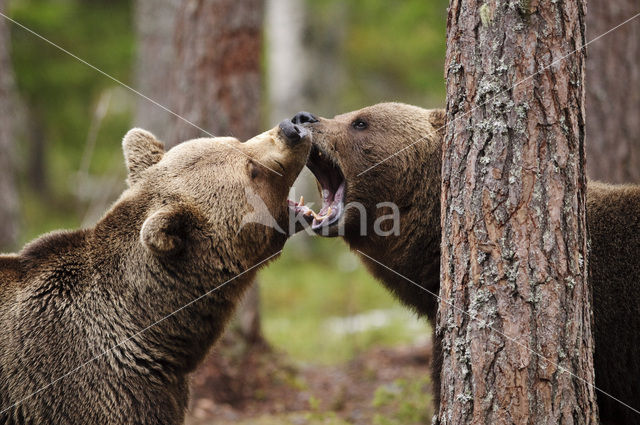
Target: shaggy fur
(71, 301)
(411, 179)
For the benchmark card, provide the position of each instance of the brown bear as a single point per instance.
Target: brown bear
(102, 325)
(391, 152)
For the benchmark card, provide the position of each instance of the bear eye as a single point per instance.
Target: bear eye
(359, 124)
(254, 169)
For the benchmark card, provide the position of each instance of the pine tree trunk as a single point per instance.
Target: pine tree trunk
(8, 193)
(613, 97)
(155, 25)
(216, 85)
(287, 58)
(217, 68)
(515, 312)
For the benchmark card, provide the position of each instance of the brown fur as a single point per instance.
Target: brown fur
(68, 298)
(411, 179)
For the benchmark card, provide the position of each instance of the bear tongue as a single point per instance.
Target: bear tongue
(332, 207)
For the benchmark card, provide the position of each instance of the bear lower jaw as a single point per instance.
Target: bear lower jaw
(332, 185)
(332, 208)
(330, 213)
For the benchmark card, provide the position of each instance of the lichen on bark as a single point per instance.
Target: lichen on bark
(515, 312)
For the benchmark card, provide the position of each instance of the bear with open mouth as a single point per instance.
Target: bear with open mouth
(392, 152)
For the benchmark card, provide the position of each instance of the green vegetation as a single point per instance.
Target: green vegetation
(395, 51)
(405, 402)
(60, 96)
(304, 293)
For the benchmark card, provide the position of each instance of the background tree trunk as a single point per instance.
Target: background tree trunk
(217, 68)
(514, 242)
(155, 24)
(287, 58)
(8, 193)
(613, 98)
(202, 60)
(305, 72)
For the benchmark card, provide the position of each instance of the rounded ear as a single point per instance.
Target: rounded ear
(141, 150)
(167, 231)
(438, 120)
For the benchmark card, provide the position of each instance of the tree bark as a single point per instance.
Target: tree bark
(155, 25)
(8, 193)
(613, 98)
(287, 58)
(515, 312)
(217, 68)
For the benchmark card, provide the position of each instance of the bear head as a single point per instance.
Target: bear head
(372, 162)
(214, 201)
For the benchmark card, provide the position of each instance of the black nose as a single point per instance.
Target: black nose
(293, 132)
(303, 117)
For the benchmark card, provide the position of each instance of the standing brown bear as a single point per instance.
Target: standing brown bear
(102, 325)
(391, 152)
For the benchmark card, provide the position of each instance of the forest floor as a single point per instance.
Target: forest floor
(382, 386)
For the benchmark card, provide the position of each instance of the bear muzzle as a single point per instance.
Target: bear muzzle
(293, 133)
(304, 117)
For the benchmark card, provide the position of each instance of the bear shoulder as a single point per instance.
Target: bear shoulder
(615, 202)
(53, 244)
(10, 269)
(613, 215)
(60, 255)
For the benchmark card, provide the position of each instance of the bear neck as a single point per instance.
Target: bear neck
(164, 297)
(409, 264)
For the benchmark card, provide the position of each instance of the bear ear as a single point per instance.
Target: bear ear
(168, 230)
(141, 151)
(438, 120)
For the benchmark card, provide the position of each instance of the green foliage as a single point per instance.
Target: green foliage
(61, 94)
(395, 51)
(405, 402)
(302, 292)
(318, 416)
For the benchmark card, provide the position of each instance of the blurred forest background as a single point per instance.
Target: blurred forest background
(321, 341)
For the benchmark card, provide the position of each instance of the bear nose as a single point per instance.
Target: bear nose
(303, 117)
(293, 133)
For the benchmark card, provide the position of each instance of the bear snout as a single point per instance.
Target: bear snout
(303, 117)
(293, 133)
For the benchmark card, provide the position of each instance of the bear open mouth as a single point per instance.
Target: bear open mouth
(332, 184)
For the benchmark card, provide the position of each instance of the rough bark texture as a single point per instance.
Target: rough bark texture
(287, 58)
(8, 194)
(613, 97)
(217, 68)
(513, 218)
(155, 24)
